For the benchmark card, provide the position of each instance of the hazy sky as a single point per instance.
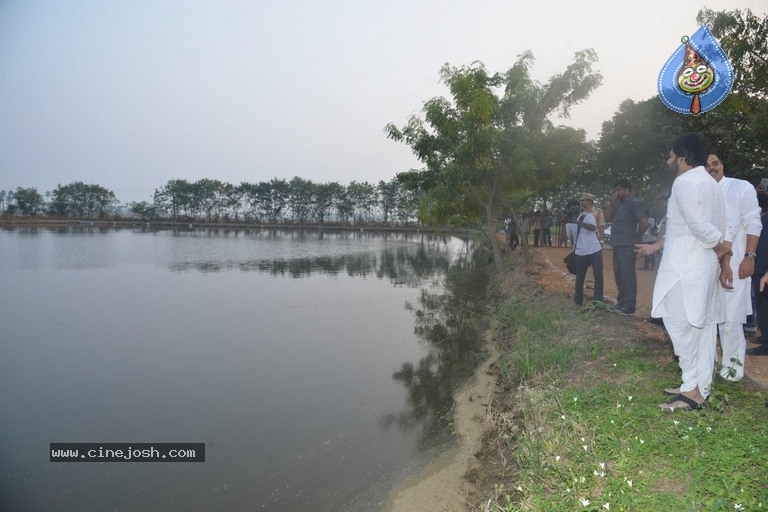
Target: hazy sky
(129, 94)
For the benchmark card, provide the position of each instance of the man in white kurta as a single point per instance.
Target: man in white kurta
(688, 295)
(742, 217)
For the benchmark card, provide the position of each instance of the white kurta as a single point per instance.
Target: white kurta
(695, 225)
(742, 217)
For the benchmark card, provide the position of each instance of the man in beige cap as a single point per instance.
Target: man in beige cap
(588, 205)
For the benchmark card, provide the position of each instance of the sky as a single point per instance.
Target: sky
(129, 94)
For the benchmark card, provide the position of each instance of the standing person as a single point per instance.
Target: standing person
(525, 227)
(588, 203)
(589, 252)
(536, 228)
(687, 294)
(758, 288)
(742, 214)
(546, 228)
(629, 222)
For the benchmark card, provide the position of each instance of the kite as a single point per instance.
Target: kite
(698, 75)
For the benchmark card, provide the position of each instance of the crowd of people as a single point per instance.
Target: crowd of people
(712, 240)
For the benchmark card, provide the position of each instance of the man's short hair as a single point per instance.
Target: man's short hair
(623, 183)
(693, 147)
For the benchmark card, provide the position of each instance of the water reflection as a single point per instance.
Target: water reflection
(451, 322)
(313, 393)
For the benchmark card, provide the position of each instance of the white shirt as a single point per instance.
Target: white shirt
(695, 225)
(742, 217)
(587, 242)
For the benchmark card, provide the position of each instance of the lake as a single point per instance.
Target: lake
(318, 368)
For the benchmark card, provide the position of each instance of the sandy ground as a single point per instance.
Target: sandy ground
(441, 488)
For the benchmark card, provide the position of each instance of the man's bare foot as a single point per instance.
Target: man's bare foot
(672, 391)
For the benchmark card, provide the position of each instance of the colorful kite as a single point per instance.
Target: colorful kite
(698, 76)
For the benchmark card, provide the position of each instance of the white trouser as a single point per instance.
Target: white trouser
(734, 347)
(695, 347)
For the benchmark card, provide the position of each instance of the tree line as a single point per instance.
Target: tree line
(297, 201)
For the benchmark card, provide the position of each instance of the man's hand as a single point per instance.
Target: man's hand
(763, 281)
(726, 277)
(746, 268)
(723, 248)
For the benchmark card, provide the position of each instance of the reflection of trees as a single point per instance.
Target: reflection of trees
(405, 265)
(448, 320)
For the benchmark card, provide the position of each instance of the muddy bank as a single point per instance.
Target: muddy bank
(442, 486)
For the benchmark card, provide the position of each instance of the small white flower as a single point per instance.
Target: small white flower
(557, 458)
(583, 440)
(614, 364)
(602, 474)
(562, 417)
(582, 479)
(738, 506)
(584, 502)
(685, 436)
(575, 398)
(613, 422)
(595, 473)
(520, 488)
(709, 429)
(629, 398)
(602, 465)
(607, 506)
(676, 422)
(641, 441)
(584, 446)
(629, 483)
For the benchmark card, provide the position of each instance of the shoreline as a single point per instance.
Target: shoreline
(442, 486)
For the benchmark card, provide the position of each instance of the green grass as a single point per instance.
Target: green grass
(578, 427)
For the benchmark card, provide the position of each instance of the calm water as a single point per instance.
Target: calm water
(317, 369)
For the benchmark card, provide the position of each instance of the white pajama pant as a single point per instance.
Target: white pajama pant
(734, 347)
(696, 347)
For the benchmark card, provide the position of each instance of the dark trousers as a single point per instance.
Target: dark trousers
(536, 236)
(761, 308)
(624, 261)
(547, 237)
(595, 260)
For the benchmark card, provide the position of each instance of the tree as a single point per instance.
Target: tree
(481, 146)
(324, 199)
(29, 201)
(634, 142)
(80, 200)
(300, 198)
(175, 197)
(143, 209)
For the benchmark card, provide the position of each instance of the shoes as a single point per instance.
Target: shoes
(624, 310)
(760, 350)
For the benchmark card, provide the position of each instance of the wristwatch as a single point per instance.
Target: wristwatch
(751, 255)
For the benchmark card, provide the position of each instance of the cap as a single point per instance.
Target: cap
(587, 196)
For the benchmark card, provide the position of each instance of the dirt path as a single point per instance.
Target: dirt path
(556, 276)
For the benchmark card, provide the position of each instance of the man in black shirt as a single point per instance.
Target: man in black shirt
(629, 222)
